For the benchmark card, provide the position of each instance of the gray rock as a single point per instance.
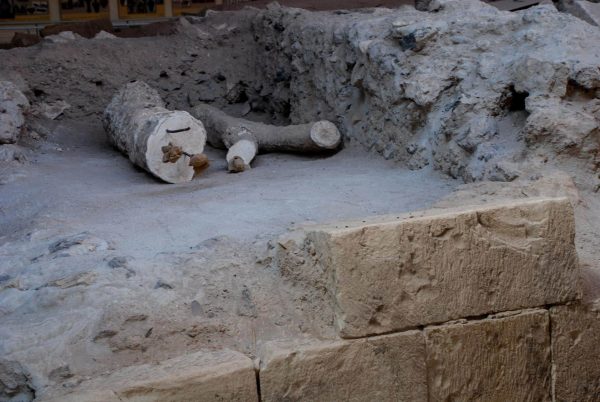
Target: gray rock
(15, 382)
(11, 152)
(160, 284)
(78, 244)
(461, 87)
(13, 106)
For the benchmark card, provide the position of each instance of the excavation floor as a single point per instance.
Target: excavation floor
(103, 266)
(79, 182)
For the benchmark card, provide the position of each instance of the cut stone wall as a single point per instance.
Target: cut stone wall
(494, 359)
(576, 352)
(516, 261)
(383, 368)
(427, 269)
(208, 376)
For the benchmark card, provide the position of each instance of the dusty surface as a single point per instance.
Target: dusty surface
(102, 266)
(155, 269)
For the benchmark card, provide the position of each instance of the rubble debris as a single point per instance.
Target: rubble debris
(15, 382)
(463, 88)
(79, 279)
(138, 124)
(12, 152)
(104, 35)
(51, 109)
(63, 37)
(78, 244)
(13, 107)
(87, 29)
(585, 10)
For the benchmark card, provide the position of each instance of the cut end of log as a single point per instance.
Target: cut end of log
(237, 165)
(181, 130)
(240, 155)
(325, 134)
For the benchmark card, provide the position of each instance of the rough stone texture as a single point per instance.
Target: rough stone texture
(15, 382)
(437, 88)
(203, 376)
(575, 353)
(13, 105)
(384, 368)
(586, 10)
(401, 273)
(498, 359)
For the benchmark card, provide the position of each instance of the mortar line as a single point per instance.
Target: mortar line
(552, 365)
(471, 318)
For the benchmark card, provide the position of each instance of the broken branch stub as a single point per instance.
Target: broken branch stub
(153, 137)
(244, 138)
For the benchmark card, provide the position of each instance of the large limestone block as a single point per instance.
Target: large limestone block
(401, 272)
(494, 359)
(576, 352)
(203, 376)
(383, 368)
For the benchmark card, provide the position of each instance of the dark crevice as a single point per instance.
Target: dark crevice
(575, 90)
(514, 100)
(257, 373)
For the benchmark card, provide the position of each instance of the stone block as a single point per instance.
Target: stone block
(575, 352)
(431, 267)
(494, 359)
(382, 368)
(203, 376)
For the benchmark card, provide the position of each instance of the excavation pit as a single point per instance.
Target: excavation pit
(115, 284)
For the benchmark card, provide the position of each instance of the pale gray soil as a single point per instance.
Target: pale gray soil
(156, 269)
(102, 266)
(87, 185)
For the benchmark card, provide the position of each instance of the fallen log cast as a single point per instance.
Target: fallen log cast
(244, 139)
(166, 143)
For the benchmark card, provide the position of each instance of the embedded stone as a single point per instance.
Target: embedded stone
(208, 376)
(382, 368)
(505, 358)
(396, 273)
(575, 340)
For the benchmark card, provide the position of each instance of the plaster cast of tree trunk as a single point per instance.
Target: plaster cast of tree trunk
(161, 141)
(244, 138)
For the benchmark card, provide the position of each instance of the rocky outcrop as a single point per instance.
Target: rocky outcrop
(13, 106)
(475, 97)
(589, 11)
(15, 382)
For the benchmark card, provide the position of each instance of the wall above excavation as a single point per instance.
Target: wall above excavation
(498, 339)
(474, 96)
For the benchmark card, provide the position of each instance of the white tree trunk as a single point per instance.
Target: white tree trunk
(138, 124)
(244, 138)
